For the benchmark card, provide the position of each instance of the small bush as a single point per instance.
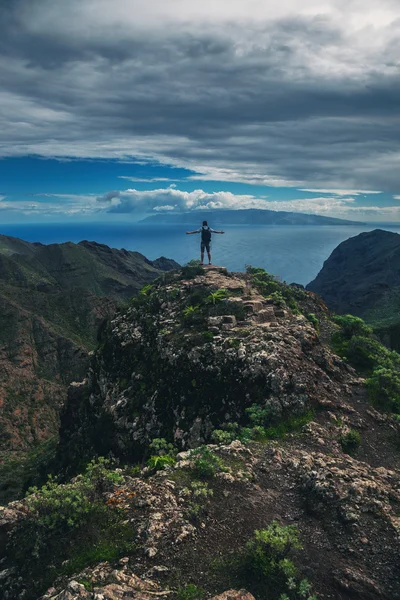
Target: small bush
(206, 463)
(219, 436)
(69, 526)
(217, 297)
(161, 447)
(190, 592)
(351, 325)
(350, 441)
(313, 319)
(157, 463)
(192, 269)
(384, 388)
(198, 493)
(269, 558)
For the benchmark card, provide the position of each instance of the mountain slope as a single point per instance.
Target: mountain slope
(362, 277)
(241, 361)
(52, 301)
(248, 216)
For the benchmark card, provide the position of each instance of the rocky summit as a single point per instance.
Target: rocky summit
(242, 456)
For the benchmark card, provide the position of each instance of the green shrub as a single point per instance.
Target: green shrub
(192, 269)
(192, 315)
(278, 299)
(219, 436)
(161, 447)
(269, 558)
(350, 441)
(268, 286)
(205, 463)
(157, 463)
(351, 325)
(69, 522)
(190, 592)
(197, 491)
(313, 319)
(217, 297)
(269, 547)
(356, 343)
(384, 388)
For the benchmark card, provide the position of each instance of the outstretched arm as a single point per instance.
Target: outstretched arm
(190, 232)
(213, 231)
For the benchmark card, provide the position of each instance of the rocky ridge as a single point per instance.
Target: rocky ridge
(163, 370)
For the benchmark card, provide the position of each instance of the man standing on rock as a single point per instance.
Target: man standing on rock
(206, 232)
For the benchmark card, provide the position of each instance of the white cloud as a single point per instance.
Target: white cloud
(133, 200)
(339, 192)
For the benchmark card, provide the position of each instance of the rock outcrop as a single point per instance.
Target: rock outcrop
(180, 362)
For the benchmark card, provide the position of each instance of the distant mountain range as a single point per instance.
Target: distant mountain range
(362, 277)
(52, 300)
(248, 216)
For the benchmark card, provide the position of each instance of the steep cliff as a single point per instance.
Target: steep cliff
(250, 457)
(362, 277)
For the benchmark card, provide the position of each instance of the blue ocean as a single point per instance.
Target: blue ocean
(294, 253)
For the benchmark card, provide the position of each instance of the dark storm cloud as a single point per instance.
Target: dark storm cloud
(301, 99)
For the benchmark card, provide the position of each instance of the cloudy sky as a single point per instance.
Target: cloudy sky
(115, 109)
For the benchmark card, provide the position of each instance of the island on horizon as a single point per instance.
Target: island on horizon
(247, 216)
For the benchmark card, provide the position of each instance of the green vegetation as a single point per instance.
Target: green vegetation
(18, 473)
(197, 491)
(190, 592)
(280, 293)
(268, 558)
(350, 441)
(313, 319)
(263, 426)
(91, 529)
(163, 454)
(206, 464)
(267, 565)
(192, 269)
(217, 297)
(355, 342)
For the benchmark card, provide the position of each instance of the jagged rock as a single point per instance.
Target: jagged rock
(154, 377)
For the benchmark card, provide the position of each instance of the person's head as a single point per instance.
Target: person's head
(205, 224)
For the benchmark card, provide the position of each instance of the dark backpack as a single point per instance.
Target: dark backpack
(205, 235)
